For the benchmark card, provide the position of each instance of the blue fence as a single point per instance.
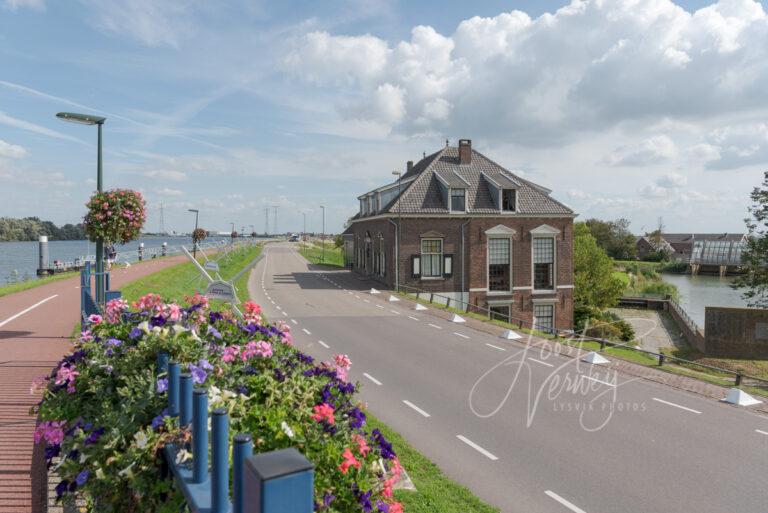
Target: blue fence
(274, 482)
(88, 304)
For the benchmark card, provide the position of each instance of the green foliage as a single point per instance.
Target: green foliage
(595, 285)
(754, 279)
(30, 228)
(674, 267)
(338, 241)
(116, 215)
(333, 256)
(656, 256)
(614, 237)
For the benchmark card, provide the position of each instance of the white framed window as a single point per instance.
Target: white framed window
(499, 264)
(458, 200)
(543, 263)
(431, 261)
(544, 317)
(508, 200)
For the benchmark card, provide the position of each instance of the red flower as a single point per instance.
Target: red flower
(349, 461)
(323, 412)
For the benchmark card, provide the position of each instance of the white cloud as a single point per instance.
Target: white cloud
(672, 181)
(7, 120)
(11, 151)
(166, 174)
(165, 191)
(38, 5)
(152, 23)
(654, 150)
(590, 65)
(739, 145)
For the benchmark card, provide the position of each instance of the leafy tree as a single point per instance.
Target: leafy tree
(338, 241)
(754, 257)
(614, 237)
(595, 286)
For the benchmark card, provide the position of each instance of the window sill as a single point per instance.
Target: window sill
(432, 278)
(544, 291)
(499, 293)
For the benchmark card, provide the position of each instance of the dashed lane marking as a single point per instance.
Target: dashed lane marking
(476, 447)
(294, 321)
(539, 361)
(412, 317)
(459, 334)
(676, 405)
(374, 380)
(415, 408)
(435, 326)
(598, 380)
(564, 502)
(495, 347)
(761, 431)
(323, 344)
(305, 330)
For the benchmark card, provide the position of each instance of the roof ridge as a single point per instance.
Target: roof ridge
(421, 175)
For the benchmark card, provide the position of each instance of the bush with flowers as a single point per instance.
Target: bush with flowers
(116, 215)
(103, 418)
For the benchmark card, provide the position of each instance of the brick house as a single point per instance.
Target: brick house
(471, 231)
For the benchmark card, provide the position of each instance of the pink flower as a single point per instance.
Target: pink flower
(252, 308)
(86, 336)
(66, 375)
(343, 361)
(115, 309)
(174, 312)
(362, 445)
(287, 339)
(395, 507)
(230, 353)
(323, 412)
(94, 319)
(260, 348)
(342, 374)
(349, 461)
(37, 384)
(50, 431)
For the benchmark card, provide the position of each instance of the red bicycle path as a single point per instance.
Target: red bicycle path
(35, 326)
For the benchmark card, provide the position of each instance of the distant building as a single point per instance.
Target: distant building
(679, 246)
(471, 231)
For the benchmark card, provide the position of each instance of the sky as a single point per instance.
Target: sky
(641, 109)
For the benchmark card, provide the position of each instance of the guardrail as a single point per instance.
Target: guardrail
(88, 305)
(661, 358)
(274, 482)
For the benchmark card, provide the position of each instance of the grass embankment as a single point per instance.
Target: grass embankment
(435, 492)
(643, 279)
(313, 251)
(175, 282)
(31, 283)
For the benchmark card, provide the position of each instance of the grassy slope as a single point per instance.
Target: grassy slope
(314, 253)
(435, 492)
(33, 282)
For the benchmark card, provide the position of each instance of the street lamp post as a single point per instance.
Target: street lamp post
(304, 231)
(87, 119)
(399, 230)
(194, 241)
(322, 237)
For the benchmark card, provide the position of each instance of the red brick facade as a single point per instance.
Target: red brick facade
(469, 274)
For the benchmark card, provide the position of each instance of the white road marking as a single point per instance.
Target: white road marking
(379, 306)
(350, 293)
(761, 431)
(495, 347)
(305, 330)
(394, 312)
(539, 361)
(372, 378)
(357, 297)
(323, 344)
(9, 319)
(412, 317)
(564, 502)
(435, 326)
(598, 380)
(460, 335)
(416, 408)
(366, 300)
(294, 321)
(477, 447)
(676, 405)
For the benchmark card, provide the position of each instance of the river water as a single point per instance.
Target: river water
(19, 260)
(698, 292)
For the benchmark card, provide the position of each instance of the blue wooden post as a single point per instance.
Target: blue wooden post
(200, 435)
(162, 362)
(220, 463)
(242, 450)
(185, 406)
(173, 389)
(279, 481)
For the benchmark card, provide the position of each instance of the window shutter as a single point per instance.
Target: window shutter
(447, 265)
(415, 266)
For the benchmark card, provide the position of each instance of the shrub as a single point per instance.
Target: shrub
(116, 215)
(610, 326)
(103, 412)
(660, 288)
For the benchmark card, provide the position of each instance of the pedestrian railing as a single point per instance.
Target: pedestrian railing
(725, 375)
(88, 305)
(274, 482)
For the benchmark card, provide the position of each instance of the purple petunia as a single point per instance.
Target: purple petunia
(384, 445)
(134, 334)
(162, 385)
(214, 332)
(94, 436)
(198, 374)
(82, 477)
(62, 488)
(203, 363)
(113, 342)
(356, 418)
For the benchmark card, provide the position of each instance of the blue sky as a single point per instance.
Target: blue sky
(625, 108)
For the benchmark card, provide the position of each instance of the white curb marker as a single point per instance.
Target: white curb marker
(476, 447)
(416, 408)
(564, 502)
(676, 405)
(376, 381)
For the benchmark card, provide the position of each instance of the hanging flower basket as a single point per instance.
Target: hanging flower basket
(198, 235)
(116, 215)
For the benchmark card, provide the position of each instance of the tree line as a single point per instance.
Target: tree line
(30, 228)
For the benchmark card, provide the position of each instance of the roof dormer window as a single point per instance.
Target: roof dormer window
(508, 200)
(458, 200)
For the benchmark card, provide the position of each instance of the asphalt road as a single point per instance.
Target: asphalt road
(525, 430)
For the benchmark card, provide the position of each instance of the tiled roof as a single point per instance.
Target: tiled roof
(675, 238)
(423, 195)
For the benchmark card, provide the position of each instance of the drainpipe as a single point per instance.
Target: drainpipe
(397, 254)
(463, 254)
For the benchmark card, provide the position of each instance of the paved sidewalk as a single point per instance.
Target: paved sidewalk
(30, 345)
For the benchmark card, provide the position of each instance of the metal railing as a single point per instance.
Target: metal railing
(661, 358)
(256, 485)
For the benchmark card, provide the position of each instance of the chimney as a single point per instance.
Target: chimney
(465, 151)
(409, 166)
